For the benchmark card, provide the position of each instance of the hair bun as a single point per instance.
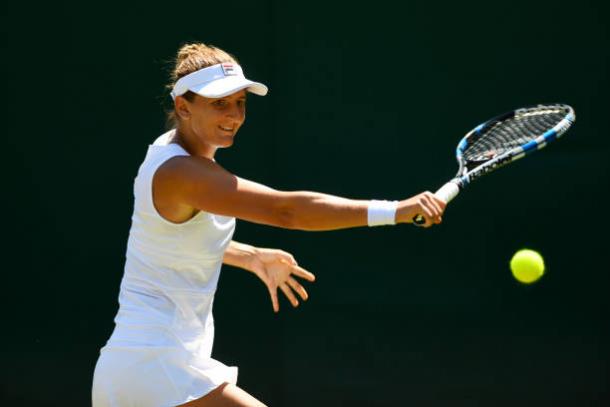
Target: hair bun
(189, 50)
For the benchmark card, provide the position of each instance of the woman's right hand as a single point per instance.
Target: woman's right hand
(425, 204)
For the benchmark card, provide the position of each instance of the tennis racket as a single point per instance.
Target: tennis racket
(502, 140)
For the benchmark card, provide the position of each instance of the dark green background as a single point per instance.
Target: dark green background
(366, 101)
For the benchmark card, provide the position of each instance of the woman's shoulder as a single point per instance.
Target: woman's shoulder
(159, 151)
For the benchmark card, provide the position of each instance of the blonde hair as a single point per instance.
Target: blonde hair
(192, 57)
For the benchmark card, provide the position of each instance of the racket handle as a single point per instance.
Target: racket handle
(446, 193)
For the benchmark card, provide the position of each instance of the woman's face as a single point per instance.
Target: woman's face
(214, 122)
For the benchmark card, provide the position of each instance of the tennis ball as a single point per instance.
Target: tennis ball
(527, 266)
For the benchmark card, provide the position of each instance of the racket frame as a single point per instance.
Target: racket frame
(464, 176)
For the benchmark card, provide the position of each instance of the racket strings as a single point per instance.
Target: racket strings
(503, 136)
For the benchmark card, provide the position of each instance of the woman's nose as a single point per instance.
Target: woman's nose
(236, 112)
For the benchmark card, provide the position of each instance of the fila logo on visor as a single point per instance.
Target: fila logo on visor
(228, 69)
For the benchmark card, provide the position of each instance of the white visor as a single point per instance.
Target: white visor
(217, 81)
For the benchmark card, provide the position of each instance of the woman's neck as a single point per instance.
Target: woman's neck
(192, 145)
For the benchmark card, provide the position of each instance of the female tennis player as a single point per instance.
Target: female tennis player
(159, 354)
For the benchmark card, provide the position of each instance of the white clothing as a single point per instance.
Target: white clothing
(159, 354)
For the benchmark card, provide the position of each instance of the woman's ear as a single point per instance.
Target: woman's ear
(182, 107)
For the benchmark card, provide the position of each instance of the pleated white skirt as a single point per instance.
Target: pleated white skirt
(155, 377)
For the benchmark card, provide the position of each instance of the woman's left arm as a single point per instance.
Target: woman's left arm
(276, 268)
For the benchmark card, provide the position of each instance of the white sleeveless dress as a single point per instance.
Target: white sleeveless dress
(159, 354)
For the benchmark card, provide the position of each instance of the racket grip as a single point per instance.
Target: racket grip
(446, 193)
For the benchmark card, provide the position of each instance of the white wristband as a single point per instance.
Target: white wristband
(382, 213)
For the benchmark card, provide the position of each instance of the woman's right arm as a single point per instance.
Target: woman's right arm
(204, 185)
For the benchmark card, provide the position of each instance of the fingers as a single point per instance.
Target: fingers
(289, 294)
(428, 216)
(439, 205)
(287, 287)
(425, 215)
(301, 272)
(432, 208)
(287, 258)
(298, 288)
(274, 301)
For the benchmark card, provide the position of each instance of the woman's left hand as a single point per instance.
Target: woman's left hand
(278, 269)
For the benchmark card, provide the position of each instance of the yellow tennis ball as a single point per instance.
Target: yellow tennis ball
(527, 266)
